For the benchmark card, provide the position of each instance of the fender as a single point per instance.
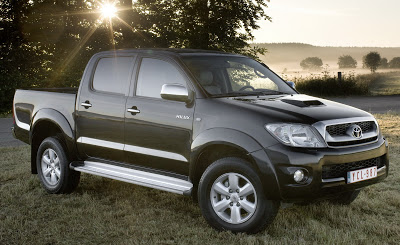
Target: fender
(242, 141)
(58, 119)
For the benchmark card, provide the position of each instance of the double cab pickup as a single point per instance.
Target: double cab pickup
(220, 127)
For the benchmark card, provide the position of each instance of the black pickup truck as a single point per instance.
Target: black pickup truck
(220, 127)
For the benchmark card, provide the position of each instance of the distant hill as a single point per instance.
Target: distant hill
(289, 55)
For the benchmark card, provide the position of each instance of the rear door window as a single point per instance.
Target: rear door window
(113, 74)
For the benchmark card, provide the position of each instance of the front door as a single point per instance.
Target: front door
(158, 131)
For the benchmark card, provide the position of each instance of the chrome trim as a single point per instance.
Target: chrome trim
(133, 111)
(381, 169)
(343, 179)
(137, 177)
(102, 143)
(131, 148)
(174, 91)
(321, 128)
(156, 153)
(333, 180)
(86, 104)
(20, 124)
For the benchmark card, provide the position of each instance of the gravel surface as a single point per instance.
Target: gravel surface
(6, 137)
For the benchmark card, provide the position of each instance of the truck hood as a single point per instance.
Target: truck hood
(298, 108)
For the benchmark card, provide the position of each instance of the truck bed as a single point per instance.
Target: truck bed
(28, 102)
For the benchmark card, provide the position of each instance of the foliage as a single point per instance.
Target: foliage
(384, 63)
(47, 43)
(326, 85)
(372, 61)
(395, 63)
(311, 63)
(216, 24)
(346, 61)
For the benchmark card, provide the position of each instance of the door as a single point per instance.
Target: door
(101, 113)
(157, 131)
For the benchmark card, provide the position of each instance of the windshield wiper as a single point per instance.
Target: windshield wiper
(232, 94)
(270, 92)
(250, 93)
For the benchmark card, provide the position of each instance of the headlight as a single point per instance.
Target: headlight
(297, 135)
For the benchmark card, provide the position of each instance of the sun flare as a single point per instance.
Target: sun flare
(108, 10)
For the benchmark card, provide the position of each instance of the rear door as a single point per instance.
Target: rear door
(101, 112)
(158, 132)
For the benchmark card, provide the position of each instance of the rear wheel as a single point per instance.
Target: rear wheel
(231, 197)
(53, 167)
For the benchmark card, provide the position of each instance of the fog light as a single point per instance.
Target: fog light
(299, 176)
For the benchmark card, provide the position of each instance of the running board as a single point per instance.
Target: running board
(134, 176)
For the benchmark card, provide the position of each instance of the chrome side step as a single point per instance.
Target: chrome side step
(134, 176)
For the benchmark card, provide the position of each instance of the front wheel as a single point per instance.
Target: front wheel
(231, 197)
(53, 167)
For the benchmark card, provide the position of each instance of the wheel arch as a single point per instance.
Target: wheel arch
(47, 123)
(219, 143)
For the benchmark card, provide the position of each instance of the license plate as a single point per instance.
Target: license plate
(362, 174)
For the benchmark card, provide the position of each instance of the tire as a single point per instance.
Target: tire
(346, 198)
(246, 210)
(53, 168)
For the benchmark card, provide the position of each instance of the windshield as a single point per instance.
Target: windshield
(235, 76)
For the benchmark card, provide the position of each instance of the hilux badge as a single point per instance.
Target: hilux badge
(183, 117)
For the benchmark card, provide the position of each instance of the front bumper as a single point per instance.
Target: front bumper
(286, 160)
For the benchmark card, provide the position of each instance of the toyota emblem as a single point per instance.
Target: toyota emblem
(355, 131)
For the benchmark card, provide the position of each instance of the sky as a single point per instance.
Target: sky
(361, 23)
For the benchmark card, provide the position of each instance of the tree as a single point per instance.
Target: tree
(311, 63)
(384, 63)
(213, 24)
(346, 61)
(395, 63)
(372, 61)
(19, 61)
(48, 42)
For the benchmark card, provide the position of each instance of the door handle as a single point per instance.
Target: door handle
(86, 104)
(134, 110)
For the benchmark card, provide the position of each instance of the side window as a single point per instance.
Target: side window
(153, 74)
(112, 74)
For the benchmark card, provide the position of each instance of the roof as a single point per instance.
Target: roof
(171, 51)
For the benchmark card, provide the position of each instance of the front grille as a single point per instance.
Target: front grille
(340, 170)
(340, 129)
(352, 142)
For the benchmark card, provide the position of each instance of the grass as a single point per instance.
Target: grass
(385, 83)
(103, 211)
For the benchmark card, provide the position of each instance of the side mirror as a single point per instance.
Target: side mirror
(292, 84)
(176, 92)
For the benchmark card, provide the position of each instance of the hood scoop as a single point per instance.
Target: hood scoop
(305, 103)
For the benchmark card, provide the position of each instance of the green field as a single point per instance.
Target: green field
(103, 211)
